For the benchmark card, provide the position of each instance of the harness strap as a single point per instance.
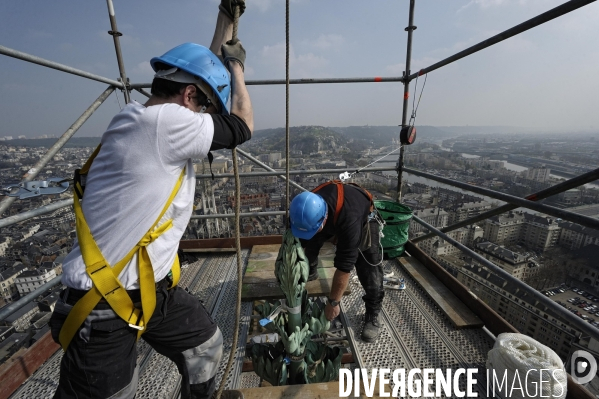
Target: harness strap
(105, 278)
(340, 195)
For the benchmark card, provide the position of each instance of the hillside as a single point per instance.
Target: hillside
(307, 139)
(379, 136)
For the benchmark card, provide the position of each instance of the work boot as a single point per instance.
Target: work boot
(372, 327)
(313, 273)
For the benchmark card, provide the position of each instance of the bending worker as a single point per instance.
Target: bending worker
(346, 212)
(121, 274)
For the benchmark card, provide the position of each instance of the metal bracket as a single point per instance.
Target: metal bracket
(35, 188)
(345, 176)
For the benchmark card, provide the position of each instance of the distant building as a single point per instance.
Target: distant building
(20, 319)
(436, 217)
(8, 287)
(30, 280)
(519, 308)
(261, 200)
(575, 236)
(512, 262)
(536, 232)
(537, 174)
(539, 232)
(467, 210)
(504, 229)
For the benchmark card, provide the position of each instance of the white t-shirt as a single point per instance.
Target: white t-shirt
(143, 153)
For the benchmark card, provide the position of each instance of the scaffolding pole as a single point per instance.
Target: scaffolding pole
(406, 96)
(19, 304)
(42, 210)
(548, 192)
(242, 215)
(34, 171)
(294, 172)
(55, 65)
(267, 82)
(511, 199)
(114, 32)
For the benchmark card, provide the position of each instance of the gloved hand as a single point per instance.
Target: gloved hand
(228, 7)
(233, 51)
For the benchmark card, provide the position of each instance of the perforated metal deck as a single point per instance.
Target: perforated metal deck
(415, 334)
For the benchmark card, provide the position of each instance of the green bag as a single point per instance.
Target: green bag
(397, 218)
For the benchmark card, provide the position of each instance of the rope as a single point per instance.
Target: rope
(287, 193)
(414, 110)
(223, 381)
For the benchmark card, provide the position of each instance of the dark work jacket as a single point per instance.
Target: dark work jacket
(348, 229)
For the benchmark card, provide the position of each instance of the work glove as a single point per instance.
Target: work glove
(233, 51)
(228, 7)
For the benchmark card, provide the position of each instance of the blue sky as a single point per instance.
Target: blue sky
(544, 79)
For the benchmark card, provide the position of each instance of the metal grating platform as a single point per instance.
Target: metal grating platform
(415, 333)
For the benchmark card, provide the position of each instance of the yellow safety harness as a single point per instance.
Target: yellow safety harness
(105, 278)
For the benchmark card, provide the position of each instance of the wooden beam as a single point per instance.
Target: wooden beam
(20, 367)
(271, 290)
(458, 313)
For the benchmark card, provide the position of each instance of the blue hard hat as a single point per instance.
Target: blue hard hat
(307, 213)
(200, 61)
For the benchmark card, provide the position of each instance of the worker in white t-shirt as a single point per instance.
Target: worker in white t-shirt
(144, 170)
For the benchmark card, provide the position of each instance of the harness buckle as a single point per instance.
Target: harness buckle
(140, 328)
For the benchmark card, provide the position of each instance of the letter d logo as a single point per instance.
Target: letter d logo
(583, 367)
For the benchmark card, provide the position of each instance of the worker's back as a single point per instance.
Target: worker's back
(143, 153)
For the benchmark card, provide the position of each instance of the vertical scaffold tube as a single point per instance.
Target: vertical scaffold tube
(114, 32)
(406, 96)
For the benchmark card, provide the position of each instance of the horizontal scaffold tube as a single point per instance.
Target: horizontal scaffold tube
(293, 172)
(548, 192)
(574, 320)
(55, 65)
(7, 221)
(13, 307)
(267, 82)
(232, 215)
(511, 199)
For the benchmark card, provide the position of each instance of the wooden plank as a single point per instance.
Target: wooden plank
(22, 365)
(458, 313)
(208, 250)
(263, 257)
(258, 249)
(325, 390)
(271, 290)
(268, 276)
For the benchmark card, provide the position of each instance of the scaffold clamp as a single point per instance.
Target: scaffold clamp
(35, 188)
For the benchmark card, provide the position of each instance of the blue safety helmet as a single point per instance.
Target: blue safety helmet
(200, 61)
(307, 213)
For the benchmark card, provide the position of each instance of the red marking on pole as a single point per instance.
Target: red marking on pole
(378, 79)
(421, 72)
(406, 95)
(532, 197)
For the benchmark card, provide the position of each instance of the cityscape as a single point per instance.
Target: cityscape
(549, 254)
